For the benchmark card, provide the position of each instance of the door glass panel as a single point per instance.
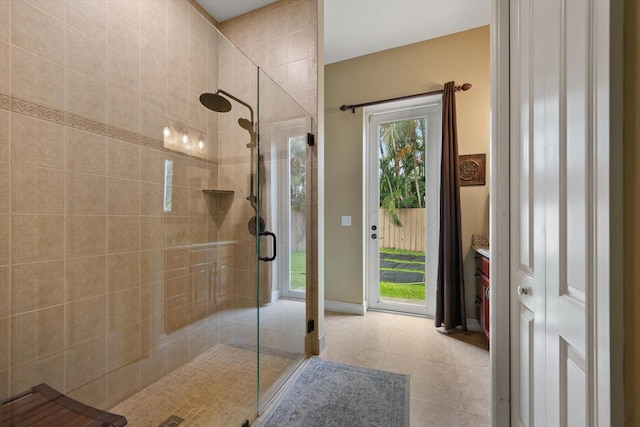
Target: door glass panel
(402, 211)
(296, 283)
(403, 152)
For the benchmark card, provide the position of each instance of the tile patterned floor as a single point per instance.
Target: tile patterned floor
(450, 374)
(215, 389)
(218, 387)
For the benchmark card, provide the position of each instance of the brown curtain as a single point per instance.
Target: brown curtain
(450, 310)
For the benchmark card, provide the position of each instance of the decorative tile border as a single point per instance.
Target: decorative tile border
(36, 110)
(85, 124)
(151, 143)
(22, 106)
(5, 102)
(123, 135)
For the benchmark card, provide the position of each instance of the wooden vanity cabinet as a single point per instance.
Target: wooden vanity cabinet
(482, 292)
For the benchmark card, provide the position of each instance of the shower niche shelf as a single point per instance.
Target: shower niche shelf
(217, 191)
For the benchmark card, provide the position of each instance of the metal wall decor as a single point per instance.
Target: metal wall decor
(472, 169)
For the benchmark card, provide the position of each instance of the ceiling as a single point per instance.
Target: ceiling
(358, 27)
(222, 10)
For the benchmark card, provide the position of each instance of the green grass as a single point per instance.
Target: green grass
(387, 289)
(298, 270)
(400, 252)
(414, 291)
(402, 290)
(404, 261)
(408, 270)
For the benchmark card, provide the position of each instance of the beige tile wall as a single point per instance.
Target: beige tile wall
(97, 299)
(102, 291)
(282, 39)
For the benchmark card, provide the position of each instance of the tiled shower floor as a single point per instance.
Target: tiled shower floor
(217, 388)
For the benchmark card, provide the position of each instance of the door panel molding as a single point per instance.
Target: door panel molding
(566, 210)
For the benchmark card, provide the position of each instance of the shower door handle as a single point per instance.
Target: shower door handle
(266, 258)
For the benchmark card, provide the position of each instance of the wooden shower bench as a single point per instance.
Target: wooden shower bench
(44, 406)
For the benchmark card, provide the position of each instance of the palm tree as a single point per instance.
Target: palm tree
(402, 171)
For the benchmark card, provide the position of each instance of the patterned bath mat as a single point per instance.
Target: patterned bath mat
(331, 394)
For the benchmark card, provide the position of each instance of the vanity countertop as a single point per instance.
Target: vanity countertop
(484, 252)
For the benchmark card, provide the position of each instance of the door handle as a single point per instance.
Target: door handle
(274, 243)
(522, 290)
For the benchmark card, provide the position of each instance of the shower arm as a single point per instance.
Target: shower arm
(253, 200)
(240, 101)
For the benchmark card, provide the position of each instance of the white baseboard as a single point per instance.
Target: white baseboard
(361, 309)
(473, 325)
(275, 296)
(345, 307)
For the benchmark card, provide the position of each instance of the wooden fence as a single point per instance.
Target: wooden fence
(410, 237)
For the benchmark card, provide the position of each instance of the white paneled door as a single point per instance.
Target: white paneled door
(560, 165)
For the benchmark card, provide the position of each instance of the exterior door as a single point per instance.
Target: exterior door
(560, 204)
(402, 255)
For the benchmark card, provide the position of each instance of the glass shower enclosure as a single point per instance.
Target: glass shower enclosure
(148, 247)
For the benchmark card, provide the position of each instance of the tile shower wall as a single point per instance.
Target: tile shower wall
(102, 290)
(282, 39)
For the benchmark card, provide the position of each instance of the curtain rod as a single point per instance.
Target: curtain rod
(463, 87)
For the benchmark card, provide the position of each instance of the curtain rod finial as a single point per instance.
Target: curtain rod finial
(465, 86)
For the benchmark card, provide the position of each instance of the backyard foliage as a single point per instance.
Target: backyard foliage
(402, 166)
(297, 156)
(298, 271)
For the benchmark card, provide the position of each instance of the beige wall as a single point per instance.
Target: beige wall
(631, 213)
(420, 67)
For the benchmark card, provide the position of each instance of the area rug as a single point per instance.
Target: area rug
(331, 394)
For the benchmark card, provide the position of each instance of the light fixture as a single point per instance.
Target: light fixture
(181, 138)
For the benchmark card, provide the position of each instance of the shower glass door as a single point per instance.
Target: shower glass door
(283, 126)
(232, 101)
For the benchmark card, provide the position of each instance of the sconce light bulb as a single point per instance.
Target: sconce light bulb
(166, 132)
(201, 144)
(185, 138)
